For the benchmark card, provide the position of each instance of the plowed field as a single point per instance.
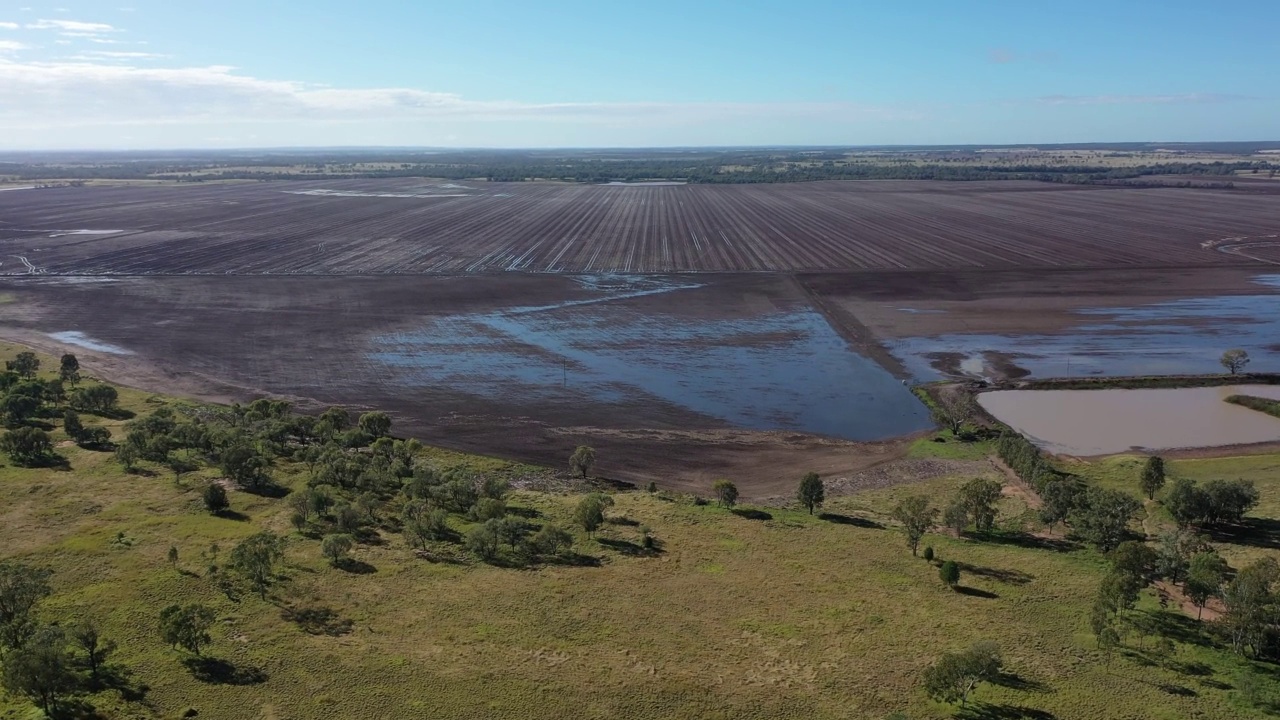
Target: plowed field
(411, 227)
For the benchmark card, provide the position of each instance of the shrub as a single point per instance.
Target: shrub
(949, 572)
(215, 498)
(27, 447)
(928, 553)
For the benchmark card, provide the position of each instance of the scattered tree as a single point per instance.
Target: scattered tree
(246, 466)
(1204, 579)
(488, 508)
(1250, 602)
(99, 399)
(726, 492)
(173, 556)
(377, 424)
(88, 638)
(952, 409)
(187, 626)
(978, 497)
(20, 404)
(127, 455)
(180, 463)
(27, 446)
(215, 498)
(589, 513)
(949, 572)
(336, 547)
(26, 365)
(69, 370)
(41, 669)
(955, 675)
(1234, 360)
(811, 493)
(956, 517)
(582, 460)
(21, 587)
(1060, 498)
(255, 558)
(511, 530)
(71, 424)
(1216, 502)
(1102, 517)
(1175, 551)
(916, 517)
(483, 539)
(1152, 476)
(551, 539)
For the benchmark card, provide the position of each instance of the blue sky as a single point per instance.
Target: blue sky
(498, 73)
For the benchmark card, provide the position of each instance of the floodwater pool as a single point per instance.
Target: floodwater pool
(1103, 422)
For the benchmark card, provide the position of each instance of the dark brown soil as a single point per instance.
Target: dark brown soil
(415, 226)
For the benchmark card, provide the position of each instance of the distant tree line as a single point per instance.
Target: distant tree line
(702, 167)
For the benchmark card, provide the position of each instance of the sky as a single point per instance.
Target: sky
(160, 74)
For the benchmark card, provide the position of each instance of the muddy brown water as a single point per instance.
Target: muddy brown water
(1101, 422)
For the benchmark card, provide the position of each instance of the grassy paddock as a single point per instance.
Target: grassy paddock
(741, 613)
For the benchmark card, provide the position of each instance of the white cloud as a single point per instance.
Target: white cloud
(115, 54)
(8, 46)
(34, 94)
(71, 26)
(8, 26)
(1185, 98)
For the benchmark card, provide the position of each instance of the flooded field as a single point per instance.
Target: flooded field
(1165, 338)
(781, 369)
(1101, 422)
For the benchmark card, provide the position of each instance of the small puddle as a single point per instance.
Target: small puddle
(79, 339)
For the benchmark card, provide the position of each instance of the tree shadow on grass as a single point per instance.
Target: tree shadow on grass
(269, 490)
(216, 671)
(1014, 681)
(1027, 540)
(318, 620)
(436, 556)
(113, 414)
(572, 559)
(989, 711)
(752, 514)
(229, 514)
(355, 567)
(622, 520)
(1181, 628)
(75, 709)
(1179, 690)
(524, 512)
(368, 536)
(1253, 532)
(1008, 577)
(626, 547)
(118, 677)
(975, 592)
(850, 520)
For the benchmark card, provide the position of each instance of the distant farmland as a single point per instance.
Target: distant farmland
(410, 226)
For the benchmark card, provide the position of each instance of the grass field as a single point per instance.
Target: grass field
(746, 613)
